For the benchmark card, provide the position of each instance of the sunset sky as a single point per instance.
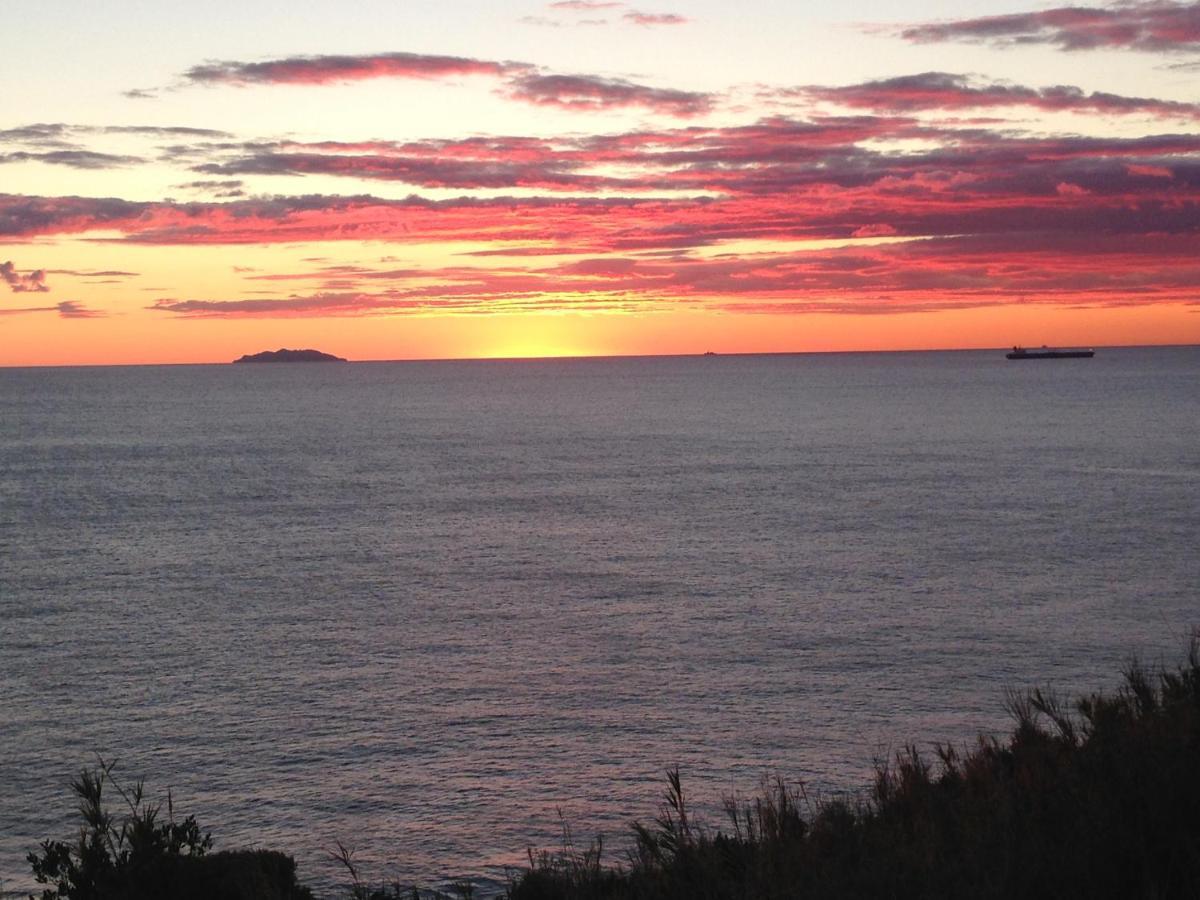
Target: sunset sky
(397, 180)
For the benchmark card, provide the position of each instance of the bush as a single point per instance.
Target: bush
(1094, 800)
(136, 856)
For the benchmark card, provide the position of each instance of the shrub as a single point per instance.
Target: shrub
(1093, 800)
(135, 856)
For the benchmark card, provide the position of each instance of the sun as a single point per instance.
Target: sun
(533, 349)
(538, 337)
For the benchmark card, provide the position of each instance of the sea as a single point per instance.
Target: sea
(443, 613)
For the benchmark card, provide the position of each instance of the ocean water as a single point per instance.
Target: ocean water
(436, 610)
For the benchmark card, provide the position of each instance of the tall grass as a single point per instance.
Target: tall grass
(134, 853)
(1099, 798)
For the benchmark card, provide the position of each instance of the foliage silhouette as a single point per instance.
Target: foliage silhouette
(136, 856)
(1094, 800)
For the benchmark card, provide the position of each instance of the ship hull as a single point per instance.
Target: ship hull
(1051, 354)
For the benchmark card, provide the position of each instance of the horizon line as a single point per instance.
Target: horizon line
(580, 357)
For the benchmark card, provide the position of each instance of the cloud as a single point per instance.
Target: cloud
(682, 159)
(585, 5)
(66, 309)
(414, 170)
(22, 216)
(75, 159)
(947, 91)
(104, 273)
(911, 276)
(590, 92)
(652, 19)
(877, 208)
(322, 304)
(879, 229)
(675, 197)
(34, 282)
(522, 81)
(1151, 171)
(59, 135)
(42, 134)
(158, 131)
(73, 309)
(573, 6)
(222, 189)
(1146, 25)
(318, 70)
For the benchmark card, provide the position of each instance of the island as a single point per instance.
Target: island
(282, 355)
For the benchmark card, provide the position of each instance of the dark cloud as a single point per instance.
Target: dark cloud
(160, 131)
(66, 309)
(34, 282)
(589, 92)
(418, 171)
(1149, 25)
(42, 134)
(316, 305)
(61, 135)
(947, 91)
(220, 185)
(73, 309)
(75, 159)
(522, 81)
(29, 216)
(222, 189)
(339, 69)
(104, 273)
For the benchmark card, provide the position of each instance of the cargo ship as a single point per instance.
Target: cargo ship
(1049, 353)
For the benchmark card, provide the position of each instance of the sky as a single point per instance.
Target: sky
(185, 182)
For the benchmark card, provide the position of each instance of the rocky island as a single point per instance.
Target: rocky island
(282, 355)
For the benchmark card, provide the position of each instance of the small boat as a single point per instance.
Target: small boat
(1049, 353)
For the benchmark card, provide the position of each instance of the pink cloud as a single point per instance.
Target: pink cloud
(880, 229)
(615, 221)
(1148, 171)
(652, 19)
(584, 5)
(905, 277)
(821, 178)
(1066, 189)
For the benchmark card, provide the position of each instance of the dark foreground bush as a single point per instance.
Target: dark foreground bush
(135, 856)
(1099, 799)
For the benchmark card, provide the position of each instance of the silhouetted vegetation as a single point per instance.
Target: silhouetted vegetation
(360, 890)
(135, 856)
(1094, 800)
